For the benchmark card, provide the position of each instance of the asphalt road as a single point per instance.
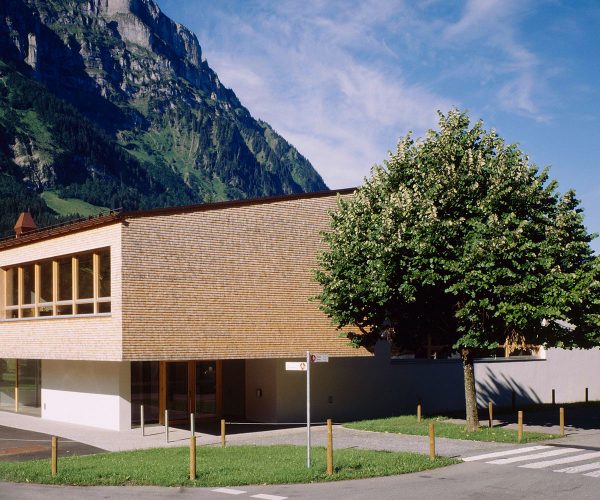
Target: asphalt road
(18, 445)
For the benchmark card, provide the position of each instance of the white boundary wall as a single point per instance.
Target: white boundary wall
(92, 393)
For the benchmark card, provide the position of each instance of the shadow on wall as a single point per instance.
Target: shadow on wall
(577, 415)
(503, 391)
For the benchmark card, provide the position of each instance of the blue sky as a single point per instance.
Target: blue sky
(343, 80)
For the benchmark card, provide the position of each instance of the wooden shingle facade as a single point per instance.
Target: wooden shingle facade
(226, 284)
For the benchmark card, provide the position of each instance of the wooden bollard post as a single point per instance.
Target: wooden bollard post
(490, 414)
(587, 399)
(192, 458)
(431, 442)
(329, 448)
(54, 457)
(142, 423)
(167, 425)
(520, 427)
(553, 396)
(222, 433)
(419, 410)
(562, 421)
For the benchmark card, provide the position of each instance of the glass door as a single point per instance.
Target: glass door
(30, 386)
(187, 387)
(177, 392)
(206, 389)
(8, 382)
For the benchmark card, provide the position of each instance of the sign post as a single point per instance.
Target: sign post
(308, 360)
(304, 366)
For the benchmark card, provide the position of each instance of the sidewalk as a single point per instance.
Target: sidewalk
(155, 437)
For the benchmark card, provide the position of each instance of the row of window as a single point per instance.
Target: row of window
(77, 284)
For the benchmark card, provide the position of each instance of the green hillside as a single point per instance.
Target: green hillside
(93, 114)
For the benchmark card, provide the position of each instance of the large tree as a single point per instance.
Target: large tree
(457, 237)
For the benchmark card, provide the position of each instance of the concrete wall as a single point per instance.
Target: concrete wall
(261, 389)
(568, 372)
(347, 389)
(91, 393)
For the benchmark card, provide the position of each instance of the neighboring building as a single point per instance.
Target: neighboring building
(195, 310)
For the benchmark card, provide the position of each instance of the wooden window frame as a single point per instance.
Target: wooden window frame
(74, 301)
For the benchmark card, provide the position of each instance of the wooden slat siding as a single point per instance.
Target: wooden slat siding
(224, 284)
(84, 338)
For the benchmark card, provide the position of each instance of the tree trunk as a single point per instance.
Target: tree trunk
(470, 397)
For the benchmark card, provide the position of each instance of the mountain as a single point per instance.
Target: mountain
(109, 103)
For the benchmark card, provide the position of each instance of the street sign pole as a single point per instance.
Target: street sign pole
(308, 363)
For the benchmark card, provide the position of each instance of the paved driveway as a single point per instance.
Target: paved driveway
(18, 445)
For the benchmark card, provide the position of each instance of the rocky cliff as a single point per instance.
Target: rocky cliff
(112, 103)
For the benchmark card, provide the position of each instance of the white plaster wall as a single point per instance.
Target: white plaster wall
(93, 393)
(347, 389)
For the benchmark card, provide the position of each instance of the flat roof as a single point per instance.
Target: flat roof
(115, 216)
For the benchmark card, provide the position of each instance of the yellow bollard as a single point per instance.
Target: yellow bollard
(491, 414)
(54, 457)
(222, 433)
(329, 448)
(419, 411)
(431, 442)
(193, 458)
(520, 427)
(562, 421)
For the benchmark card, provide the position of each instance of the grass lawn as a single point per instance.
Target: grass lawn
(70, 206)
(407, 424)
(231, 466)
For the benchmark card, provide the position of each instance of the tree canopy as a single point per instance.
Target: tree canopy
(459, 237)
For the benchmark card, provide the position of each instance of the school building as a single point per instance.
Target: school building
(196, 309)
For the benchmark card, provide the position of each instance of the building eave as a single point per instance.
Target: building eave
(115, 217)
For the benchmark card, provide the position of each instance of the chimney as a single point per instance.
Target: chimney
(25, 223)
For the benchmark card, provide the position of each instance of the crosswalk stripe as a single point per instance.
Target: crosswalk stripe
(596, 473)
(535, 456)
(229, 491)
(506, 453)
(567, 460)
(264, 496)
(579, 468)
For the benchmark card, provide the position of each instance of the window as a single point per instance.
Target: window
(11, 279)
(20, 385)
(74, 285)
(46, 297)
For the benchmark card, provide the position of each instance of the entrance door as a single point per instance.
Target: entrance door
(190, 387)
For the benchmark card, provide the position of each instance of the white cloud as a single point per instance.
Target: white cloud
(343, 81)
(492, 25)
(296, 66)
